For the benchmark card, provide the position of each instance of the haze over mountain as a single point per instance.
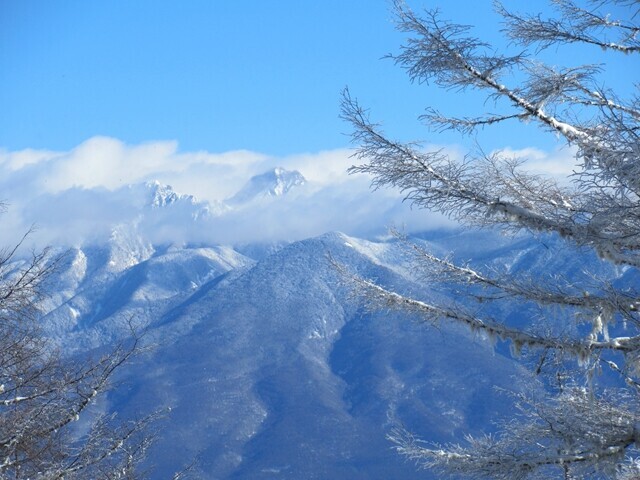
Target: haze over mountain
(79, 196)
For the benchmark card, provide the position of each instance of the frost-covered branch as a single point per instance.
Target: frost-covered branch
(442, 52)
(109, 448)
(542, 442)
(381, 298)
(628, 380)
(580, 430)
(466, 125)
(42, 394)
(603, 100)
(490, 190)
(575, 25)
(600, 303)
(439, 51)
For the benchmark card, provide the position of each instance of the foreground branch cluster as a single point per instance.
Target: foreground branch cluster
(44, 398)
(577, 429)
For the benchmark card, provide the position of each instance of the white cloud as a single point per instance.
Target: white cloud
(348, 207)
(559, 163)
(323, 168)
(82, 194)
(17, 160)
(109, 163)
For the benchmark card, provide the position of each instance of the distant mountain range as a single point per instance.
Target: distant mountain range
(270, 367)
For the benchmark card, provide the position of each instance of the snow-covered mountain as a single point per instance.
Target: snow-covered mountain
(270, 368)
(266, 363)
(273, 183)
(156, 195)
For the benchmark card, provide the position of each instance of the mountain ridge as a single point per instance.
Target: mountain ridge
(275, 182)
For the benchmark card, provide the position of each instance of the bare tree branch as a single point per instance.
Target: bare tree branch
(578, 428)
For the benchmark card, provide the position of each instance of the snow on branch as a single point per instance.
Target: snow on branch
(541, 442)
(120, 448)
(378, 297)
(575, 25)
(579, 431)
(442, 52)
(491, 190)
(597, 97)
(545, 293)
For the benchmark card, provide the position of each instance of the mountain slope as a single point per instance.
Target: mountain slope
(273, 371)
(265, 362)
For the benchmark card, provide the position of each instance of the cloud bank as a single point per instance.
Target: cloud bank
(80, 195)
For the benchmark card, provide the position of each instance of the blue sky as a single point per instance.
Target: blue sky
(214, 75)
(217, 75)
